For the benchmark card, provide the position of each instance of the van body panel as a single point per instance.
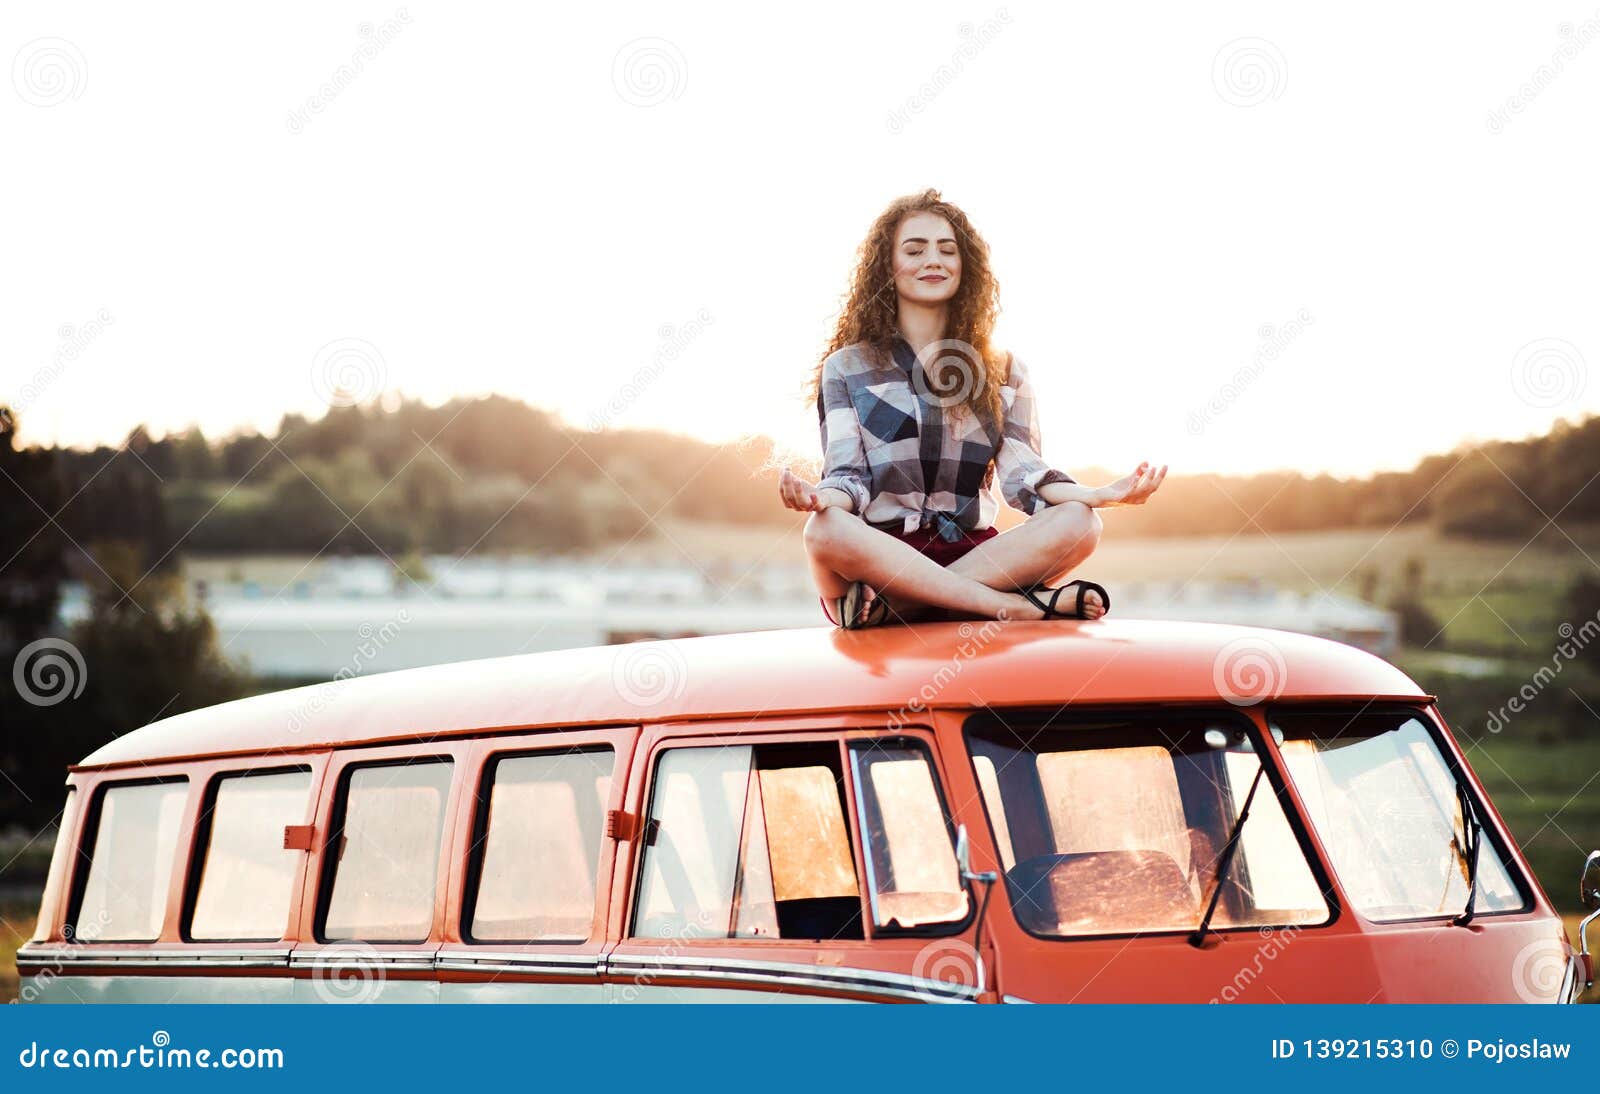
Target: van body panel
(829, 697)
(772, 672)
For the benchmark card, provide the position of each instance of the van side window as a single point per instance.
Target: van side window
(135, 842)
(749, 842)
(385, 851)
(540, 835)
(246, 875)
(59, 860)
(910, 851)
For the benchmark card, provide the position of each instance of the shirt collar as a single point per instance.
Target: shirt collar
(901, 353)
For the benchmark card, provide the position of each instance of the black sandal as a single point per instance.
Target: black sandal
(1052, 612)
(849, 606)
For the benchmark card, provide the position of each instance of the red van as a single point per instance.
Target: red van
(1116, 811)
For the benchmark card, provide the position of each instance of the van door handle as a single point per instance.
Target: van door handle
(621, 825)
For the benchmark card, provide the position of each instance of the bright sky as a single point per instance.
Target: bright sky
(653, 207)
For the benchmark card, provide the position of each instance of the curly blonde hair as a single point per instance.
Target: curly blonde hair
(868, 315)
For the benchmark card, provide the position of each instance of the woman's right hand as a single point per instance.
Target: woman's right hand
(1134, 489)
(802, 496)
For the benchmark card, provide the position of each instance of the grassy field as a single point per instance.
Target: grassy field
(1299, 560)
(1541, 793)
(1490, 596)
(16, 925)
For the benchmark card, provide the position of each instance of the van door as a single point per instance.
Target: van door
(374, 911)
(807, 861)
(526, 916)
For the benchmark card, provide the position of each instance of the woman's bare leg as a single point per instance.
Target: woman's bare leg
(1048, 545)
(844, 548)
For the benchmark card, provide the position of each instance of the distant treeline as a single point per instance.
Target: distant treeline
(481, 474)
(1492, 490)
(495, 473)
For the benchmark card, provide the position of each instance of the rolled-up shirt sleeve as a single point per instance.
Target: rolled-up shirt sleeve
(844, 454)
(1019, 467)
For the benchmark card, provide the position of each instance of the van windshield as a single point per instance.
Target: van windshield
(1385, 805)
(1117, 825)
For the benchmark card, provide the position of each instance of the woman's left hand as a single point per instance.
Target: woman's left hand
(1134, 489)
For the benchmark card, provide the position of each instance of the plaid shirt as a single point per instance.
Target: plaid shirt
(909, 463)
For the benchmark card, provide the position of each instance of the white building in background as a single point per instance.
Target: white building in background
(352, 615)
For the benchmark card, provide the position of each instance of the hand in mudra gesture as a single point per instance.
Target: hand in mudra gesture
(799, 494)
(1134, 489)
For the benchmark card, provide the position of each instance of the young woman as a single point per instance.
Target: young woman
(920, 414)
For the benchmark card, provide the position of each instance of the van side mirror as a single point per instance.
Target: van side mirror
(964, 859)
(986, 878)
(1589, 894)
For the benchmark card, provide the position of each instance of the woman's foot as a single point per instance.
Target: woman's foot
(861, 606)
(1074, 600)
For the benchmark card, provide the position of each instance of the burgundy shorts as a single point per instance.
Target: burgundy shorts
(928, 542)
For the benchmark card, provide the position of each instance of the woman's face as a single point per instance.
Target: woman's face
(927, 263)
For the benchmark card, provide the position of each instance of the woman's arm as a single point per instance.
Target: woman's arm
(846, 481)
(1132, 489)
(799, 494)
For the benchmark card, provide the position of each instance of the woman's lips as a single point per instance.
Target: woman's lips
(933, 278)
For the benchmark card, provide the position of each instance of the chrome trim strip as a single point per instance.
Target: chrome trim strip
(585, 966)
(868, 981)
(1569, 982)
(339, 956)
(182, 959)
(1015, 999)
(513, 961)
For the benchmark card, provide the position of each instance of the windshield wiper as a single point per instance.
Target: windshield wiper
(1198, 936)
(1471, 842)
